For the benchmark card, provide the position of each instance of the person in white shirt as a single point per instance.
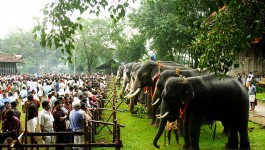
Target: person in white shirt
(40, 89)
(23, 96)
(53, 98)
(46, 122)
(62, 87)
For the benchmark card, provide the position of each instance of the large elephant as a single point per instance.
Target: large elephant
(206, 98)
(160, 84)
(126, 78)
(147, 76)
(120, 74)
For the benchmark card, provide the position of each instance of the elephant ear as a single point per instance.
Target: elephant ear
(187, 92)
(154, 71)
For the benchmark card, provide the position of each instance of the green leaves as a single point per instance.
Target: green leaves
(58, 28)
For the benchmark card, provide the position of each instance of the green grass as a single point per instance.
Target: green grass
(139, 134)
(261, 97)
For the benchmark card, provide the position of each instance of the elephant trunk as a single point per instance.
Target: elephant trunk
(161, 129)
(163, 121)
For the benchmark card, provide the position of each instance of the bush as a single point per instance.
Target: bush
(259, 88)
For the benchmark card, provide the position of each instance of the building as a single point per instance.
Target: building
(252, 60)
(109, 67)
(8, 63)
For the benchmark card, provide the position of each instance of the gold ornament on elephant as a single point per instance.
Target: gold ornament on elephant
(159, 65)
(182, 78)
(177, 71)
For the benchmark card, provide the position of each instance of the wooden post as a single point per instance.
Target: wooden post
(89, 134)
(26, 123)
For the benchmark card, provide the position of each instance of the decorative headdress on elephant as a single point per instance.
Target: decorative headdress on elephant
(155, 72)
(177, 71)
(186, 91)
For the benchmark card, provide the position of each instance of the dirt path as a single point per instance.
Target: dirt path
(258, 118)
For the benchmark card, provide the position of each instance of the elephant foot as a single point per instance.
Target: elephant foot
(152, 122)
(127, 102)
(185, 147)
(245, 146)
(230, 146)
(134, 111)
(225, 132)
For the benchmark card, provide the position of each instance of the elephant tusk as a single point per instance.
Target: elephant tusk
(163, 116)
(136, 92)
(127, 87)
(128, 94)
(156, 102)
(158, 115)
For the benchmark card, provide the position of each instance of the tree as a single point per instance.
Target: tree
(170, 24)
(177, 27)
(58, 27)
(131, 50)
(95, 43)
(228, 32)
(34, 56)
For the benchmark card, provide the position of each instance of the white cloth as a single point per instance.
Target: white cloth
(252, 98)
(79, 139)
(32, 125)
(40, 91)
(46, 119)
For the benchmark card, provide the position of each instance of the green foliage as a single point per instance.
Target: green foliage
(212, 40)
(95, 43)
(259, 89)
(58, 27)
(131, 50)
(223, 35)
(22, 43)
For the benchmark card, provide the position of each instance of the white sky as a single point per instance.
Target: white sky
(20, 13)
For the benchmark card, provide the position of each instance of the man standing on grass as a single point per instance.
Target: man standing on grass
(76, 118)
(59, 121)
(46, 122)
(31, 120)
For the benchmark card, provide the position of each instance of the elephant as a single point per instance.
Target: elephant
(126, 78)
(147, 76)
(156, 99)
(120, 74)
(206, 98)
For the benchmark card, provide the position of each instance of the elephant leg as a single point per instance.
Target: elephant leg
(186, 133)
(243, 133)
(176, 135)
(225, 131)
(180, 126)
(232, 137)
(149, 106)
(169, 136)
(154, 112)
(194, 133)
(196, 119)
(244, 140)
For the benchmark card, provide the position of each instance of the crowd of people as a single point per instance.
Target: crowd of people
(248, 82)
(67, 103)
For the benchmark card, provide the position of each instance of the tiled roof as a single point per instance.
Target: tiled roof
(9, 57)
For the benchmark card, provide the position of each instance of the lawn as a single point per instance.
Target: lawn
(139, 134)
(261, 97)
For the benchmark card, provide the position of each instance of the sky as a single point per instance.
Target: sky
(19, 13)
